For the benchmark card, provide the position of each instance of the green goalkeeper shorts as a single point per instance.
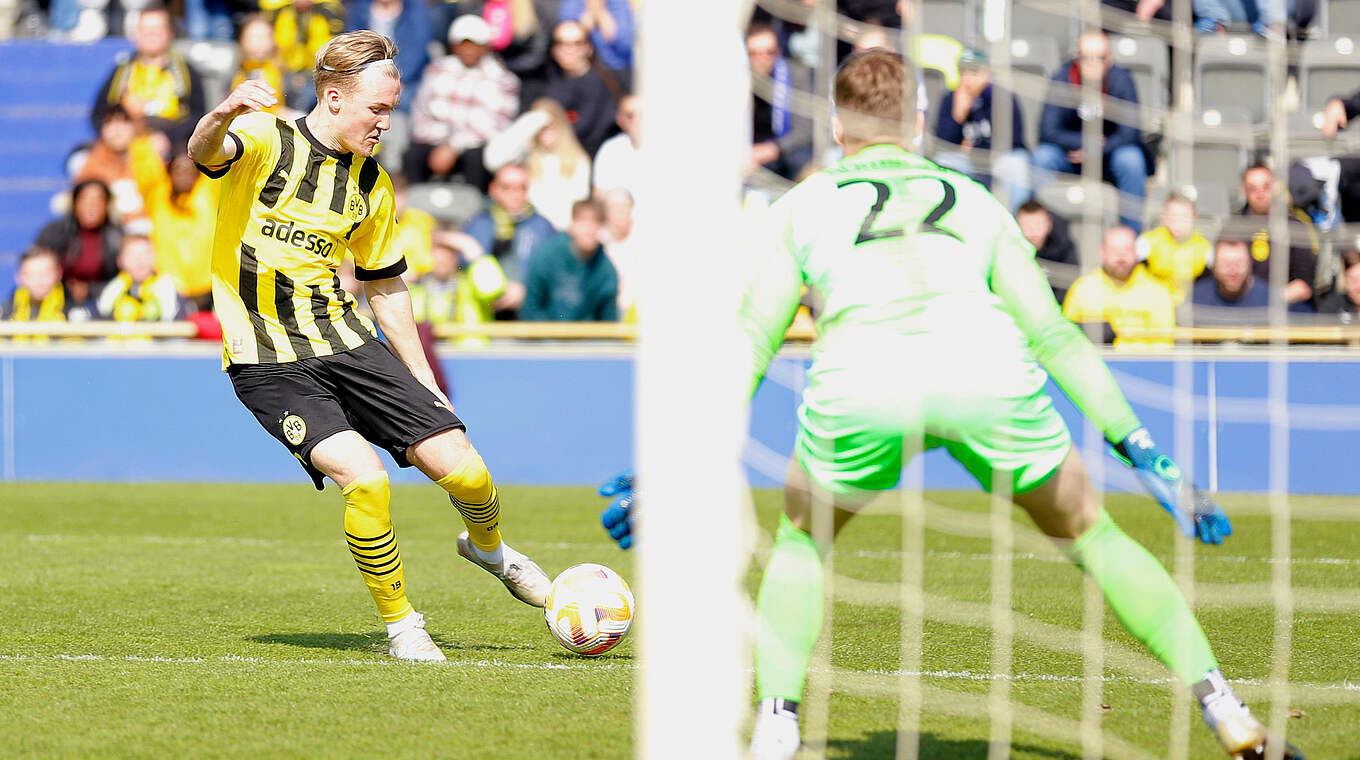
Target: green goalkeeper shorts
(850, 445)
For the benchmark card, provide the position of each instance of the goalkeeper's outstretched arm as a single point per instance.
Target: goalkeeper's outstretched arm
(1076, 366)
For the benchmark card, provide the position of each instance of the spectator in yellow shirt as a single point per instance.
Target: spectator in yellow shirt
(182, 207)
(301, 27)
(1175, 252)
(259, 56)
(1121, 294)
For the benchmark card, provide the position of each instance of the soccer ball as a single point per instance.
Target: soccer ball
(589, 608)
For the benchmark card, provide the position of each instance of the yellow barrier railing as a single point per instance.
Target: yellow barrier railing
(1316, 334)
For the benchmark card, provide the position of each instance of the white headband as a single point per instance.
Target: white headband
(358, 68)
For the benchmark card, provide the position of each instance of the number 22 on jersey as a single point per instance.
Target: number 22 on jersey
(882, 192)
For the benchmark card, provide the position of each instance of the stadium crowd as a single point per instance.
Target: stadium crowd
(513, 154)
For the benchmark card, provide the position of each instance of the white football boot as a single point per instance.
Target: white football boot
(409, 641)
(776, 733)
(522, 576)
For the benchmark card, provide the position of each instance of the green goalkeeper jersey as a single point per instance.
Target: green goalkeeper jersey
(918, 269)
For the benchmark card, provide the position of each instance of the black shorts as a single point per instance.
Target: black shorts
(366, 389)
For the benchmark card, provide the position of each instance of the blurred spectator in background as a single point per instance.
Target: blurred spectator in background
(1054, 251)
(301, 27)
(1258, 188)
(40, 296)
(464, 100)
(108, 161)
(521, 31)
(208, 19)
(1346, 299)
(415, 230)
(559, 170)
(510, 231)
(1336, 116)
(1121, 294)
(571, 279)
(156, 84)
(1060, 147)
(1175, 252)
(137, 293)
(615, 164)
(621, 247)
(588, 92)
(610, 25)
(965, 122)
(445, 295)
(258, 54)
(1232, 286)
(407, 23)
(86, 242)
(434, 295)
(182, 206)
(781, 138)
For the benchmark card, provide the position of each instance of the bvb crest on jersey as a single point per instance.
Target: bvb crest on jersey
(356, 207)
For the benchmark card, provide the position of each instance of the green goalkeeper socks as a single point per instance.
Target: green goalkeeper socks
(1144, 598)
(788, 614)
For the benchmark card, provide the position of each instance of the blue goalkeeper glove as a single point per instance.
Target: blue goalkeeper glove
(617, 518)
(1195, 512)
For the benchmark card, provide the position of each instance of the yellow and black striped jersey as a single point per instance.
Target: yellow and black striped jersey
(289, 210)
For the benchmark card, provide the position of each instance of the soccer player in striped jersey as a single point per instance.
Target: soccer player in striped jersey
(937, 328)
(296, 197)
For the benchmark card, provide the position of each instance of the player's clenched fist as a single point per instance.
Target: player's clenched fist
(251, 95)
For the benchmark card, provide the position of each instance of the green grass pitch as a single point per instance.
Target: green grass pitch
(229, 621)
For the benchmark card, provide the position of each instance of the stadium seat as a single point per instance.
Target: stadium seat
(1230, 71)
(452, 203)
(1149, 61)
(1217, 164)
(952, 18)
(1037, 57)
(1055, 20)
(1070, 200)
(395, 142)
(1341, 17)
(215, 61)
(935, 90)
(1328, 68)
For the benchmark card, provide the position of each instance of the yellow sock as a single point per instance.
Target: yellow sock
(474, 495)
(368, 530)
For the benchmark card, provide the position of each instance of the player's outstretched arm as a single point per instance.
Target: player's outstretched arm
(208, 145)
(1076, 366)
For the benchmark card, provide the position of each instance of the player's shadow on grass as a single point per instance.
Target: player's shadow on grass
(608, 657)
(357, 642)
(884, 744)
(374, 641)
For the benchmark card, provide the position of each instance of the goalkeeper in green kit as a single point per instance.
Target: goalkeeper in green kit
(936, 324)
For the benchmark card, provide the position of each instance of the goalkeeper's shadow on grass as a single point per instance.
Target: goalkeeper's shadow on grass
(883, 744)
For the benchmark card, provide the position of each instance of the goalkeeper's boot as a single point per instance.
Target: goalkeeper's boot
(1243, 736)
(411, 642)
(776, 733)
(522, 576)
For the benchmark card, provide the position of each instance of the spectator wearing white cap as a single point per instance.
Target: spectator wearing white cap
(464, 99)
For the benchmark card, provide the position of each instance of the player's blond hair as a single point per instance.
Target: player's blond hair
(342, 61)
(875, 93)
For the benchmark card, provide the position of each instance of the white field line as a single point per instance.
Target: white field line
(1346, 686)
(580, 546)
